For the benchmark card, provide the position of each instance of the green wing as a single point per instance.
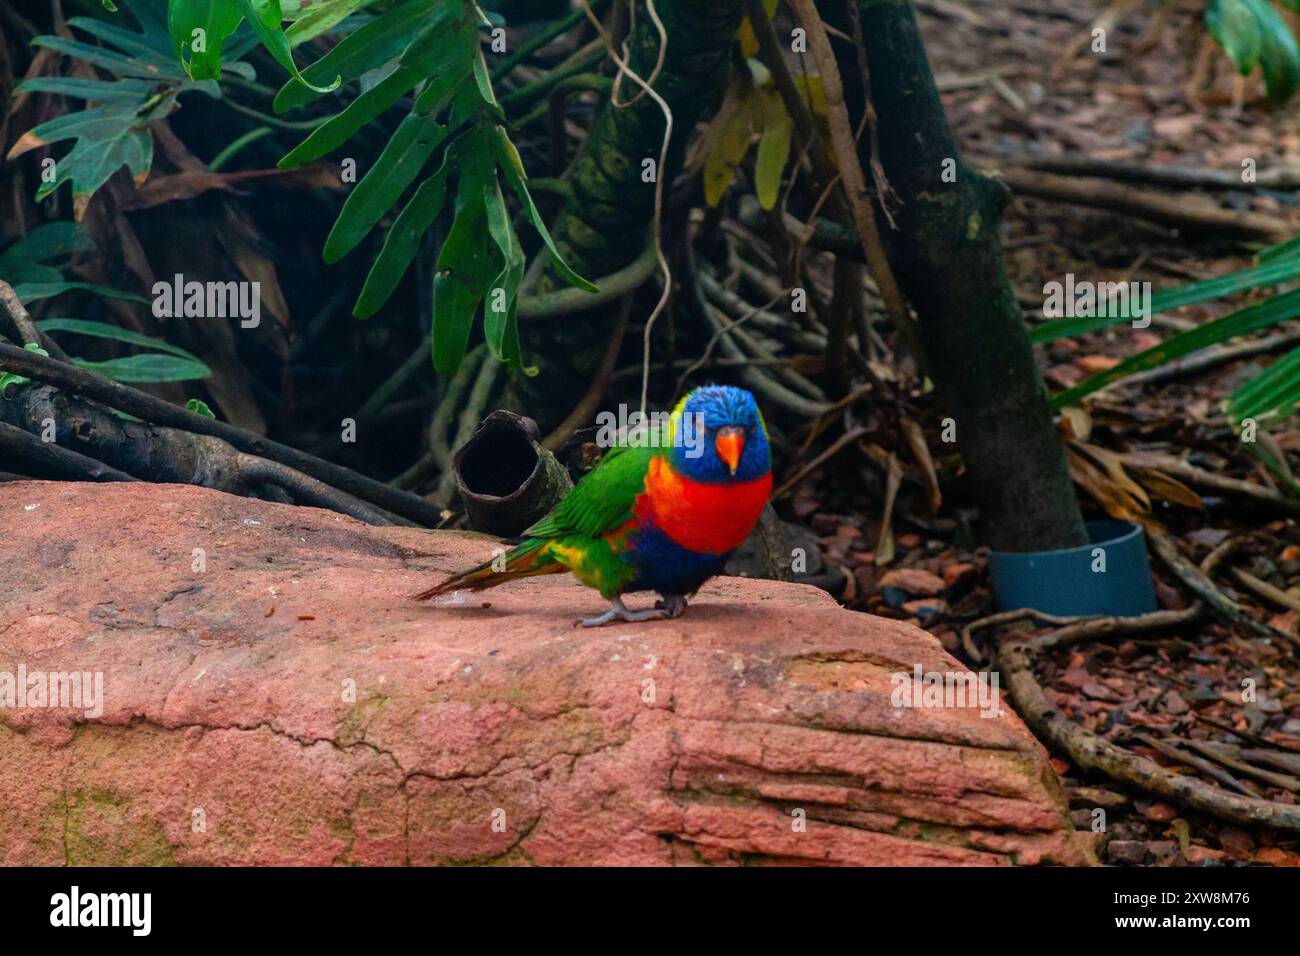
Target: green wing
(602, 500)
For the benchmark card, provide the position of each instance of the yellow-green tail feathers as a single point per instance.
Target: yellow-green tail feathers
(526, 560)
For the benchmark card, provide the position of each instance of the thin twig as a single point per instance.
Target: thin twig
(751, 344)
(1264, 589)
(1203, 587)
(438, 454)
(845, 439)
(1216, 753)
(718, 333)
(587, 405)
(470, 417)
(305, 489)
(1282, 177)
(850, 169)
(1284, 751)
(1197, 763)
(660, 169)
(22, 321)
(1188, 212)
(1178, 468)
(751, 374)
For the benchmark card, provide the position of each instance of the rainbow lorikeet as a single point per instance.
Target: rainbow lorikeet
(659, 515)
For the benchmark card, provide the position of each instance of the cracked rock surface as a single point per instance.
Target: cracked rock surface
(272, 696)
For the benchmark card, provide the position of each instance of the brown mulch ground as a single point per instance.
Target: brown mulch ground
(1013, 89)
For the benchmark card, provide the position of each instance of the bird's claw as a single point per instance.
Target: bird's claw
(670, 607)
(674, 604)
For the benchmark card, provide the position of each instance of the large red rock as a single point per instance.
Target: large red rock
(272, 696)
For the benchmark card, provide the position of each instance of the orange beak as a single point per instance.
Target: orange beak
(730, 443)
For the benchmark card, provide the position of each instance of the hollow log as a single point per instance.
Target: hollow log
(506, 479)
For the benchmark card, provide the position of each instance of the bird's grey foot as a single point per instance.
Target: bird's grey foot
(618, 611)
(673, 604)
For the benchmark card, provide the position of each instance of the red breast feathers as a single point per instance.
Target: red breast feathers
(709, 518)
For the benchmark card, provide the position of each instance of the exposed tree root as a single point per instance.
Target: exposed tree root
(1188, 212)
(1264, 589)
(1199, 583)
(1091, 752)
(93, 443)
(1286, 176)
(79, 382)
(1016, 659)
(46, 459)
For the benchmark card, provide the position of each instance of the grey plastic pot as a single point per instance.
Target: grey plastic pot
(1111, 575)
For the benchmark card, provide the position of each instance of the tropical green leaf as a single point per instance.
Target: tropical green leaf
(1277, 270)
(465, 271)
(148, 367)
(430, 47)
(1253, 33)
(25, 276)
(454, 305)
(1281, 250)
(199, 29)
(1252, 318)
(1273, 392)
(28, 263)
(1206, 289)
(500, 314)
(484, 83)
(403, 241)
(443, 29)
(773, 150)
(363, 50)
(513, 168)
(119, 64)
(89, 164)
(1235, 27)
(49, 241)
(96, 123)
(1279, 56)
(321, 16)
(200, 407)
(99, 91)
(104, 330)
(264, 16)
(114, 132)
(401, 161)
(148, 46)
(29, 292)
(329, 136)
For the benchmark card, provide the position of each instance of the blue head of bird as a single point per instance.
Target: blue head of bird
(719, 436)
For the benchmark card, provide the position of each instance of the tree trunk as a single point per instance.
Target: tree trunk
(602, 227)
(947, 256)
